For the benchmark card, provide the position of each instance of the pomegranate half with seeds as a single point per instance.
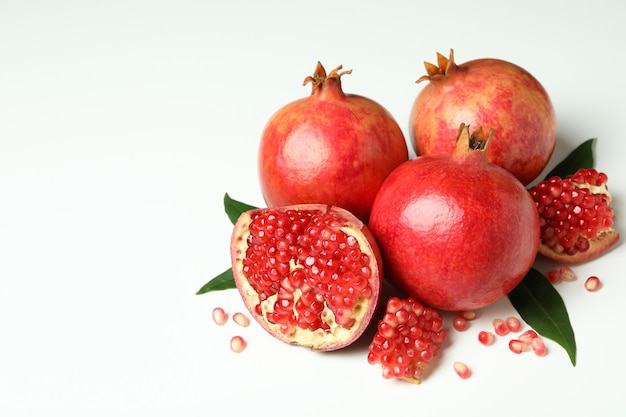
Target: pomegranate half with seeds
(456, 232)
(309, 274)
(576, 216)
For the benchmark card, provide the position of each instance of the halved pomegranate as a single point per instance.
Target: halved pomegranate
(576, 217)
(309, 274)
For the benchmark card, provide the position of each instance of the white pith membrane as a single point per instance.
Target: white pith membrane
(319, 338)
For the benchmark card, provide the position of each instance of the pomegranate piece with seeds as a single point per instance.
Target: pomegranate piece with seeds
(309, 274)
(576, 216)
(408, 337)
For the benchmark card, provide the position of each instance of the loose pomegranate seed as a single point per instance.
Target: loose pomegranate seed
(500, 327)
(486, 338)
(538, 347)
(219, 316)
(567, 274)
(554, 276)
(528, 336)
(237, 344)
(517, 346)
(513, 324)
(592, 283)
(462, 370)
(459, 323)
(468, 315)
(241, 319)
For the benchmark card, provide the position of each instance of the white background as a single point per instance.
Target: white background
(122, 125)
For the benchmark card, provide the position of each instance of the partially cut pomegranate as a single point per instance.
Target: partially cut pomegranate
(309, 274)
(409, 336)
(576, 217)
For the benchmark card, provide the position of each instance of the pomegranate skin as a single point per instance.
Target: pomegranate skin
(492, 93)
(455, 232)
(329, 148)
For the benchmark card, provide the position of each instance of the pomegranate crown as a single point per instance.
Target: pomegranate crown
(476, 141)
(319, 77)
(444, 66)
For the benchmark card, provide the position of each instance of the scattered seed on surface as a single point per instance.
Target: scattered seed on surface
(486, 338)
(237, 344)
(567, 274)
(468, 315)
(528, 336)
(517, 346)
(459, 323)
(462, 370)
(219, 316)
(241, 319)
(554, 276)
(513, 324)
(500, 327)
(538, 347)
(592, 283)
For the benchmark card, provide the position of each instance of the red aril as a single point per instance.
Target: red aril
(329, 148)
(408, 337)
(576, 217)
(492, 93)
(309, 274)
(455, 231)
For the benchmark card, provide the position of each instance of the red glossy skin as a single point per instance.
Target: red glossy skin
(456, 233)
(330, 148)
(495, 94)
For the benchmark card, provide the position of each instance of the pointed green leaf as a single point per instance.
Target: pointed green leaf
(581, 157)
(223, 281)
(541, 306)
(235, 208)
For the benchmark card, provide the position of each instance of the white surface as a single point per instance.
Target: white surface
(123, 123)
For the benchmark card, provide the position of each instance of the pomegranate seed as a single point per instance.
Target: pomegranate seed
(592, 283)
(241, 319)
(500, 327)
(486, 338)
(513, 324)
(462, 370)
(219, 316)
(237, 344)
(468, 315)
(517, 346)
(528, 336)
(538, 347)
(567, 274)
(554, 276)
(459, 323)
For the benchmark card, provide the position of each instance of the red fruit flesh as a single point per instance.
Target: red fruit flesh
(309, 274)
(492, 93)
(409, 336)
(329, 148)
(455, 231)
(576, 216)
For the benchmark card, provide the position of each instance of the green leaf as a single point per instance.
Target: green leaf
(541, 306)
(223, 281)
(235, 208)
(581, 157)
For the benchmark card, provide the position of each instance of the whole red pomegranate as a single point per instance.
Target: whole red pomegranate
(329, 148)
(576, 216)
(455, 232)
(309, 274)
(492, 93)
